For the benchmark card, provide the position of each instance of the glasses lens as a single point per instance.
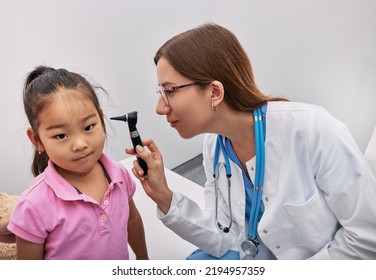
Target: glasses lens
(160, 90)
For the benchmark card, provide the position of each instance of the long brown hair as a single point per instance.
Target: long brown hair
(38, 92)
(211, 52)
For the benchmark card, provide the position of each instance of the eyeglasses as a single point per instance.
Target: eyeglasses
(165, 92)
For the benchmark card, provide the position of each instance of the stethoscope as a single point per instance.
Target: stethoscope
(250, 245)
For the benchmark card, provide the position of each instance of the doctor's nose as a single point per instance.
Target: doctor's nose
(162, 108)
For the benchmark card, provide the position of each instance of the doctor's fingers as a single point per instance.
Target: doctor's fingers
(149, 153)
(155, 183)
(130, 151)
(148, 142)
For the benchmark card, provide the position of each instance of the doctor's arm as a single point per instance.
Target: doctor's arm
(344, 176)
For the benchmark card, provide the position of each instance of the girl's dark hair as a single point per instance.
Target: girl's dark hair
(40, 87)
(211, 52)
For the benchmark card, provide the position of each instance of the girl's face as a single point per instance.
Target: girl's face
(189, 109)
(71, 133)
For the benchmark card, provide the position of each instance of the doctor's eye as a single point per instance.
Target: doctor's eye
(170, 90)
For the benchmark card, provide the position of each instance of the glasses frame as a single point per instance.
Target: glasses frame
(166, 91)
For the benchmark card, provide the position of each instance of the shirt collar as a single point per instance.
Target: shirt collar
(64, 190)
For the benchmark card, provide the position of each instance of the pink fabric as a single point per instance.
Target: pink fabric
(73, 225)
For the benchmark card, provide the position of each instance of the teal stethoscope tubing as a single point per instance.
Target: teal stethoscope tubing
(259, 175)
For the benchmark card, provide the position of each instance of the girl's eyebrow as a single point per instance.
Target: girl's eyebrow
(93, 115)
(55, 126)
(84, 119)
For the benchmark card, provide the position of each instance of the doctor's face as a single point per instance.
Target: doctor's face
(187, 106)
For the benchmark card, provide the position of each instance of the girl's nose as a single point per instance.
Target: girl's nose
(79, 145)
(162, 108)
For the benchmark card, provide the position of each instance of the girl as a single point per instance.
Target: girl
(79, 206)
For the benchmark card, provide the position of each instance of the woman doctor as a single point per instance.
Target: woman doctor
(285, 180)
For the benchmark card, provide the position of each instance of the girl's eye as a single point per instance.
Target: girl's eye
(61, 136)
(89, 127)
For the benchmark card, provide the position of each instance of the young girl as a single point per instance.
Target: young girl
(79, 206)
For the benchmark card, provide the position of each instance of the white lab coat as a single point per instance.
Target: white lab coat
(319, 193)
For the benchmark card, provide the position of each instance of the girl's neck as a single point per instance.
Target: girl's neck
(76, 176)
(92, 183)
(66, 174)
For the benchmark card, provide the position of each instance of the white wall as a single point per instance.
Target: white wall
(315, 51)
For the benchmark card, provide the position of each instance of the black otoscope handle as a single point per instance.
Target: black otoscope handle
(131, 118)
(136, 140)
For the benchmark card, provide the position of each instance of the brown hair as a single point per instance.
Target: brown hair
(40, 87)
(211, 52)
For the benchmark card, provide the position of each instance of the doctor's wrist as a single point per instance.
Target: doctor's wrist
(164, 200)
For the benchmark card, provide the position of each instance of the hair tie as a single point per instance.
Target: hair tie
(46, 71)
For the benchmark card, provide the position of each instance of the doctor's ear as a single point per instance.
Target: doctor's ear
(217, 94)
(34, 139)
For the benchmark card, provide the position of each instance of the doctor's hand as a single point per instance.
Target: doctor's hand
(155, 183)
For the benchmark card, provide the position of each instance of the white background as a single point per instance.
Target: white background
(316, 51)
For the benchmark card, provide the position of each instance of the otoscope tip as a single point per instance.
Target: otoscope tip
(120, 118)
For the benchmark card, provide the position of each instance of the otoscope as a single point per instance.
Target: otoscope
(131, 118)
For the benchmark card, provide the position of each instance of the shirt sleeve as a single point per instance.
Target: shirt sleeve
(26, 222)
(349, 189)
(130, 183)
(197, 226)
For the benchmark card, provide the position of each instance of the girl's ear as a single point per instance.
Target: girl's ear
(34, 139)
(217, 93)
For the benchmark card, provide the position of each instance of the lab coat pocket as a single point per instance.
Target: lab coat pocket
(315, 222)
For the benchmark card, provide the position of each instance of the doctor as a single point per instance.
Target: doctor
(285, 180)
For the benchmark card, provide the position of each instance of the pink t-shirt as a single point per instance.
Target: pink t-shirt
(71, 224)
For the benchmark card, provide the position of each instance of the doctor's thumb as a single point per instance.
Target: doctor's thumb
(143, 153)
(139, 149)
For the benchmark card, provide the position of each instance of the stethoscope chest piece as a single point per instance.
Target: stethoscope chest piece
(250, 247)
